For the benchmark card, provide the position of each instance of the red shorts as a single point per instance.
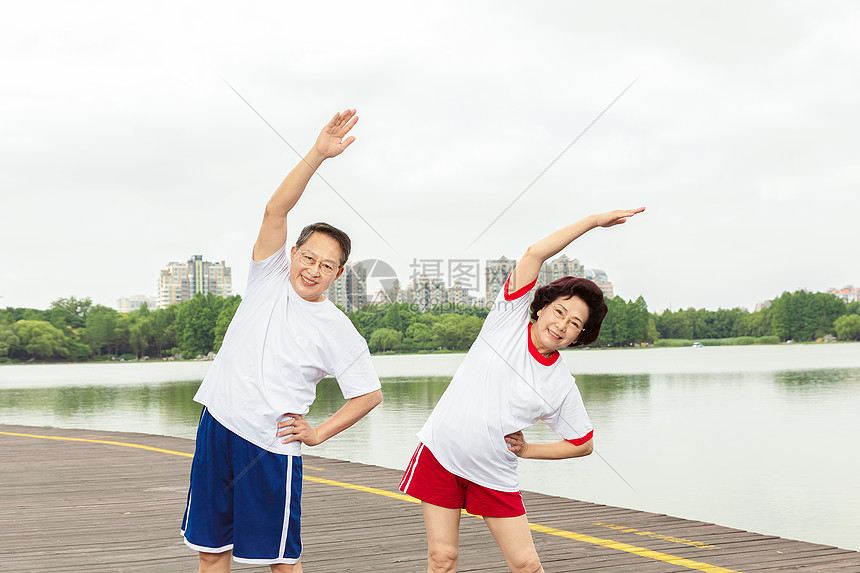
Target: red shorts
(427, 480)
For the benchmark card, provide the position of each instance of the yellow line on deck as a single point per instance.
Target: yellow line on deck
(126, 444)
(608, 543)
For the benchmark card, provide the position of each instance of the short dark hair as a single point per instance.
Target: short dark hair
(567, 287)
(333, 232)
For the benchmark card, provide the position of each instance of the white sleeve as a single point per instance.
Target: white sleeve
(355, 373)
(275, 264)
(509, 308)
(570, 421)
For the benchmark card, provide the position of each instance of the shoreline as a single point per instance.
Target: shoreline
(677, 360)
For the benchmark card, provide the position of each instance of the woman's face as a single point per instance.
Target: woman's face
(560, 322)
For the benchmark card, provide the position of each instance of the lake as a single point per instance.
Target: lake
(755, 437)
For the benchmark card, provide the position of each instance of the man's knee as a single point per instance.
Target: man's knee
(287, 568)
(214, 561)
(443, 558)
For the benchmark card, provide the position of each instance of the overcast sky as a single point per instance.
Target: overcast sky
(124, 149)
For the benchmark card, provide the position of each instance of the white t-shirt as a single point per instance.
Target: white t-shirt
(277, 348)
(502, 386)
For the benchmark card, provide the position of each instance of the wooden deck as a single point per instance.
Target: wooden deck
(85, 501)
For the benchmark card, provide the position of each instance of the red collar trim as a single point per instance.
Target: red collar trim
(518, 293)
(537, 355)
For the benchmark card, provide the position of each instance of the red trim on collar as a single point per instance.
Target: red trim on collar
(537, 355)
(519, 292)
(582, 440)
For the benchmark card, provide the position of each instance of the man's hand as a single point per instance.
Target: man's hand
(331, 140)
(297, 429)
(517, 444)
(613, 218)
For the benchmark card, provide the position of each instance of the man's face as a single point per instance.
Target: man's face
(312, 280)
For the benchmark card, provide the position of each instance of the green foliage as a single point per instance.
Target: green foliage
(444, 327)
(735, 341)
(100, 331)
(41, 339)
(163, 329)
(847, 327)
(384, 339)
(627, 323)
(9, 341)
(75, 329)
(195, 325)
(70, 312)
(804, 316)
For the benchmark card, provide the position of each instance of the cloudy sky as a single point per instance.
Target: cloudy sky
(123, 147)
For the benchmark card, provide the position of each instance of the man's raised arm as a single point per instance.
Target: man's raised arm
(331, 142)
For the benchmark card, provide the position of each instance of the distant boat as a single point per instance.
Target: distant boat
(698, 345)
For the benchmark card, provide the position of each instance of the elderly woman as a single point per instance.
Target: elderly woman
(511, 378)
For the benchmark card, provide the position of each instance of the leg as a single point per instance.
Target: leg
(287, 568)
(214, 562)
(443, 537)
(515, 540)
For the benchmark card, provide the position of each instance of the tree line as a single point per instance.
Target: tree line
(75, 329)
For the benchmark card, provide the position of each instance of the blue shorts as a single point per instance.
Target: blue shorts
(242, 498)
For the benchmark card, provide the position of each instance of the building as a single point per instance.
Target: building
(181, 281)
(496, 272)
(848, 293)
(134, 302)
(560, 267)
(600, 279)
(425, 293)
(349, 290)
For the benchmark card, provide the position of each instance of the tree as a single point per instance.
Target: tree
(804, 315)
(847, 327)
(755, 324)
(384, 339)
(71, 311)
(195, 324)
(140, 335)
(392, 318)
(9, 341)
(421, 334)
(41, 339)
(163, 328)
(100, 332)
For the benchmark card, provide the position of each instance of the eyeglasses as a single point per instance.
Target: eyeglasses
(561, 314)
(308, 259)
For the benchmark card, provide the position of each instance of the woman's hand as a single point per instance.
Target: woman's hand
(618, 217)
(517, 444)
(297, 429)
(331, 140)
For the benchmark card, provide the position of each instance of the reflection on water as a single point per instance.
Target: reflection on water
(816, 379)
(764, 451)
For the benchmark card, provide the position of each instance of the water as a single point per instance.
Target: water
(758, 438)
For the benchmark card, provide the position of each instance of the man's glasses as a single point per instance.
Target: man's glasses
(308, 259)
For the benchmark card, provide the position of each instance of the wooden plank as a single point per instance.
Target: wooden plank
(86, 506)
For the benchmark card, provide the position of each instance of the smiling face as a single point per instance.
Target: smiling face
(310, 281)
(559, 324)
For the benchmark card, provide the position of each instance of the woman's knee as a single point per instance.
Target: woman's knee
(443, 557)
(528, 562)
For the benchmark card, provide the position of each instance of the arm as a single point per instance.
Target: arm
(550, 451)
(296, 428)
(331, 142)
(529, 265)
